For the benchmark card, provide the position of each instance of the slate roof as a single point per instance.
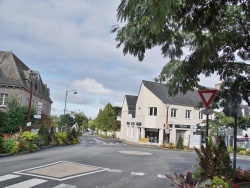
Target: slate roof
(161, 91)
(131, 101)
(14, 73)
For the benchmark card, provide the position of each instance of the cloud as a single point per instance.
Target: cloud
(91, 86)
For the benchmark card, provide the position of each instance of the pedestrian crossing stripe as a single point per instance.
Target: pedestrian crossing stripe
(8, 176)
(28, 183)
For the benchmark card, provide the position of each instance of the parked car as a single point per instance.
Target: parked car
(91, 132)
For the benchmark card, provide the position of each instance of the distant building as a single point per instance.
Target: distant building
(15, 79)
(156, 117)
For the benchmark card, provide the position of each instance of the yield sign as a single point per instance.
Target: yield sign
(207, 96)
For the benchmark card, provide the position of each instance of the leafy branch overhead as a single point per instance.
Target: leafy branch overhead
(214, 32)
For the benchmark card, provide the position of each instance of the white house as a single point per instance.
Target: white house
(154, 116)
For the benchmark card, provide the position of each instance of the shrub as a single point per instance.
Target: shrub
(214, 161)
(242, 175)
(62, 136)
(29, 136)
(180, 143)
(42, 132)
(219, 182)
(11, 146)
(1, 145)
(243, 152)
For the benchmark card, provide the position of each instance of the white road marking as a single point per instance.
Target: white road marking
(114, 170)
(161, 176)
(8, 176)
(138, 173)
(28, 183)
(65, 186)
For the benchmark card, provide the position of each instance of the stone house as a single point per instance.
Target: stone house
(16, 79)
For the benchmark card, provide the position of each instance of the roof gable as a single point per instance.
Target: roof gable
(131, 101)
(161, 91)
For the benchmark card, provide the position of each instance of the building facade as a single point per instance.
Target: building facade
(154, 116)
(16, 79)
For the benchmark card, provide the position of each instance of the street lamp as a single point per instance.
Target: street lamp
(66, 101)
(66, 98)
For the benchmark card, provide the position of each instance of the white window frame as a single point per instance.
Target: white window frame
(200, 115)
(154, 111)
(3, 98)
(188, 114)
(174, 112)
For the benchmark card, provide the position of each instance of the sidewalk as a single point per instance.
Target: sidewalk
(245, 157)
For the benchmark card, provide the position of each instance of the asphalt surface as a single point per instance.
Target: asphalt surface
(98, 163)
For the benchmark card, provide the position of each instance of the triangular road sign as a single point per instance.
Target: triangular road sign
(207, 96)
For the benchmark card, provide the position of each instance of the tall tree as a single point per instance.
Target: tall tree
(215, 32)
(81, 119)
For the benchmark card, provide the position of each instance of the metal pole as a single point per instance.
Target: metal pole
(235, 134)
(207, 131)
(65, 102)
(64, 120)
(29, 109)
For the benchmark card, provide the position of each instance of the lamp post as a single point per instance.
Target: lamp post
(32, 77)
(66, 101)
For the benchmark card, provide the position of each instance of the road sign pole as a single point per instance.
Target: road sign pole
(207, 132)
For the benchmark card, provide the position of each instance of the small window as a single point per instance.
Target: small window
(173, 112)
(188, 114)
(200, 115)
(3, 99)
(152, 111)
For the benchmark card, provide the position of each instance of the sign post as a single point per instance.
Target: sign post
(207, 97)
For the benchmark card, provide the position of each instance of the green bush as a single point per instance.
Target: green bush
(11, 146)
(45, 137)
(1, 145)
(62, 136)
(218, 182)
(243, 152)
(27, 135)
(180, 143)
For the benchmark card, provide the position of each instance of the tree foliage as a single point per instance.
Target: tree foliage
(106, 119)
(81, 119)
(15, 115)
(215, 32)
(220, 122)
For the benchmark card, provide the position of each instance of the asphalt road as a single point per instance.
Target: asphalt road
(96, 163)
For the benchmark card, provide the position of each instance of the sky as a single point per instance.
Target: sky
(71, 45)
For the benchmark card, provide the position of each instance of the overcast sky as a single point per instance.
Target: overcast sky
(69, 42)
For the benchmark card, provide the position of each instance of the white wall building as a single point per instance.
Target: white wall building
(156, 117)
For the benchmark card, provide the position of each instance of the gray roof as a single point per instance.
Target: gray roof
(131, 101)
(191, 98)
(14, 73)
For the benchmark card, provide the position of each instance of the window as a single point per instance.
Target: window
(3, 99)
(200, 115)
(173, 112)
(152, 111)
(188, 114)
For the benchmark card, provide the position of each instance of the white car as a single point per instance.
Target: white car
(91, 132)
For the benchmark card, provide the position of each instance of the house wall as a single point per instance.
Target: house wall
(24, 95)
(132, 131)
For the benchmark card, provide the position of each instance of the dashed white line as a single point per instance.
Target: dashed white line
(161, 176)
(138, 173)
